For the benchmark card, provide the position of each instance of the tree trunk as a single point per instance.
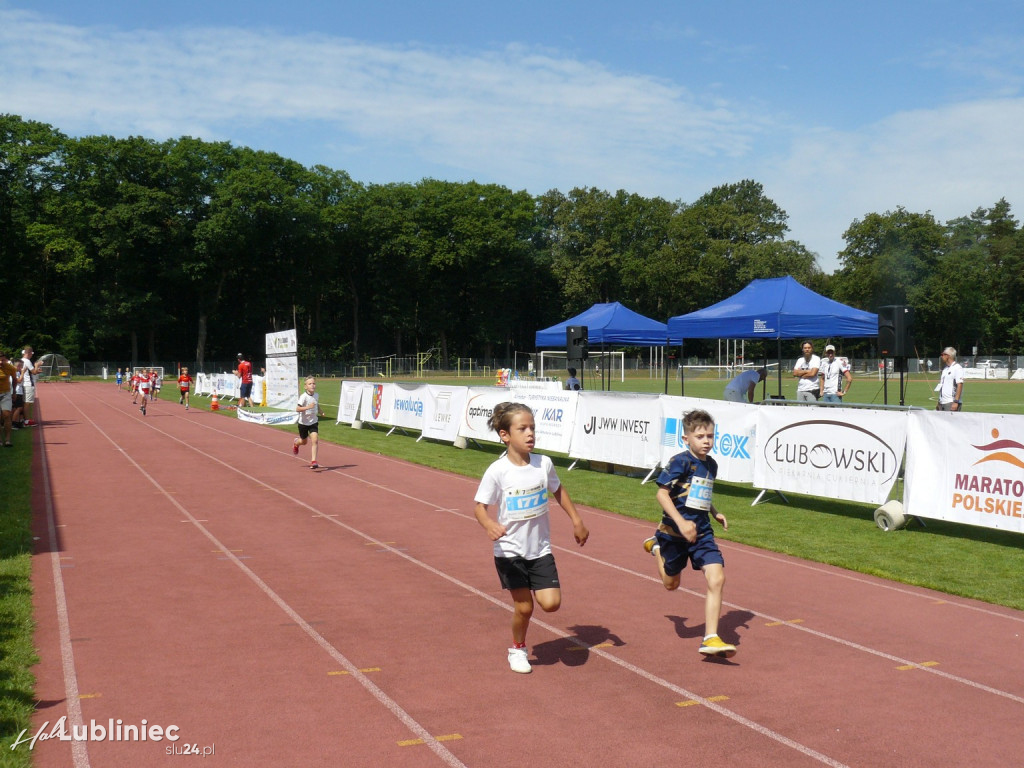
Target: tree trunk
(201, 342)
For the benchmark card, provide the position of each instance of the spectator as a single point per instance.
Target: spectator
(834, 377)
(806, 370)
(572, 382)
(951, 383)
(29, 371)
(7, 375)
(741, 388)
(245, 374)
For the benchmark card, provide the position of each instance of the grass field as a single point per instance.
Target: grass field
(958, 559)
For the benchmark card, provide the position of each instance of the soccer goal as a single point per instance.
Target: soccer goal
(611, 364)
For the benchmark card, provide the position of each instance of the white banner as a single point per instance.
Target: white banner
(442, 412)
(967, 468)
(553, 411)
(282, 343)
(282, 382)
(377, 403)
(351, 395)
(842, 453)
(735, 431)
(408, 405)
(267, 417)
(620, 428)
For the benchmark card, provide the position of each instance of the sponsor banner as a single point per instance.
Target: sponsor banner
(282, 382)
(620, 428)
(735, 430)
(553, 412)
(407, 405)
(810, 450)
(967, 468)
(443, 408)
(547, 386)
(282, 343)
(273, 418)
(377, 404)
(351, 395)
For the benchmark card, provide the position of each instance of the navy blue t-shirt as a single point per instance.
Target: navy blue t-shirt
(678, 478)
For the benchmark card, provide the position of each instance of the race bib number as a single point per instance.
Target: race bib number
(526, 504)
(699, 497)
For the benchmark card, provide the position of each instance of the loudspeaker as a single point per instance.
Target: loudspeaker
(896, 331)
(576, 344)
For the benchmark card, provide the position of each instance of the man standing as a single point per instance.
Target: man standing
(834, 377)
(245, 374)
(28, 372)
(806, 372)
(7, 374)
(951, 382)
(741, 388)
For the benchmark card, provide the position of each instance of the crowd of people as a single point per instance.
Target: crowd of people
(17, 393)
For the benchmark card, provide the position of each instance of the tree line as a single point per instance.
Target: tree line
(119, 248)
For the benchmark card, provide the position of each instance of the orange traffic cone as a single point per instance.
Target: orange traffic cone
(215, 403)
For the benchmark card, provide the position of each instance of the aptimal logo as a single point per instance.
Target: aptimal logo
(378, 400)
(999, 450)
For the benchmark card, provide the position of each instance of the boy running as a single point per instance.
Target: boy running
(309, 412)
(184, 384)
(685, 533)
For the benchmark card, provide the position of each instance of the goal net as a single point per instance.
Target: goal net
(610, 364)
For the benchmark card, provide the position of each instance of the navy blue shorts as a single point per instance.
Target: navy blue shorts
(245, 391)
(675, 552)
(520, 573)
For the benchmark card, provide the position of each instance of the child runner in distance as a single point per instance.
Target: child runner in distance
(685, 533)
(184, 385)
(309, 412)
(143, 389)
(519, 483)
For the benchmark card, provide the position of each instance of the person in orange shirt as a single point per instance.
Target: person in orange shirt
(184, 385)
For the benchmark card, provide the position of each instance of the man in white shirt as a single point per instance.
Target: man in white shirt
(806, 373)
(29, 371)
(951, 382)
(834, 377)
(741, 388)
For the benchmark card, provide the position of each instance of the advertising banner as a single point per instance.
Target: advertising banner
(842, 453)
(443, 408)
(407, 406)
(735, 430)
(553, 412)
(282, 380)
(351, 395)
(268, 417)
(966, 468)
(378, 404)
(620, 428)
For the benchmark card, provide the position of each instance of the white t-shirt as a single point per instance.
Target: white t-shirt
(952, 375)
(833, 374)
(808, 384)
(737, 388)
(310, 417)
(522, 495)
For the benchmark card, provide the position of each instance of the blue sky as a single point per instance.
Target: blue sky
(838, 109)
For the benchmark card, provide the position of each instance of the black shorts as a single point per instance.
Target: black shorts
(305, 429)
(520, 573)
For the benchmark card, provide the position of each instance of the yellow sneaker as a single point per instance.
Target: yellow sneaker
(650, 544)
(716, 646)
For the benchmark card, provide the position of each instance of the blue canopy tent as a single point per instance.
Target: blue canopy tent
(777, 308)
(609, 324)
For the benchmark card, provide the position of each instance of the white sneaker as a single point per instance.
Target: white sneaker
(518, 662)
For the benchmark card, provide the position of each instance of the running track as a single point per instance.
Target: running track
(192, 572)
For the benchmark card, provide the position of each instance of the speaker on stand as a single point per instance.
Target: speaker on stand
(895, 340)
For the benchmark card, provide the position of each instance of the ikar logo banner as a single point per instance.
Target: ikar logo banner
(851, 454)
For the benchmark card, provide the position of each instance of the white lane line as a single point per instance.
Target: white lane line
(437, 747)
(79, 749)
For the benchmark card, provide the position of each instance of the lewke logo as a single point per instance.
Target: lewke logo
(846, 448)
(727, 444)
(638, 427)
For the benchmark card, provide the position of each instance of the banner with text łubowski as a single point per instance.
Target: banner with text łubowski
(967, 468)
(849, 453)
